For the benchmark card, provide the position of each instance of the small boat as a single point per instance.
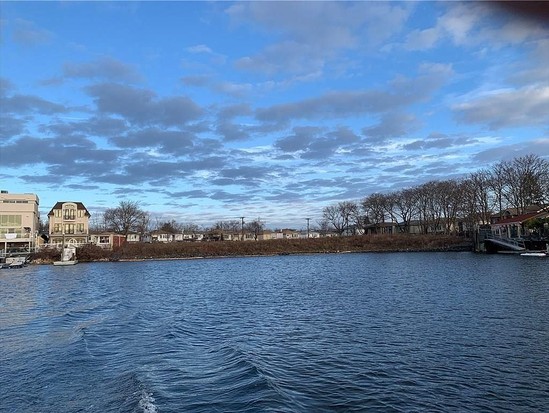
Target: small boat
(68, 257)
(61, 263)
(534, 254)
(14, 262)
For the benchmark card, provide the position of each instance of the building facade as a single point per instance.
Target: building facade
(68, 223)
(107, 240)
(19, 222)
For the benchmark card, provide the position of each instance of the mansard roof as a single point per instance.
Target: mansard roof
(79, 206)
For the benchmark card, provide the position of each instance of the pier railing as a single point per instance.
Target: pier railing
(512, 243)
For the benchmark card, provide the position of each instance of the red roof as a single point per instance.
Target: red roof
(518, 219)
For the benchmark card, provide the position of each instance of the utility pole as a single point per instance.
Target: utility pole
(308, 219)
(242, 229)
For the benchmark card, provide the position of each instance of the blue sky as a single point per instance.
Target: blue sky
(209, 111)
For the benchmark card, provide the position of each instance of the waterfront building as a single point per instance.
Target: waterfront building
(520, 226)
(107, 240)
(68, 222)
(19, 222)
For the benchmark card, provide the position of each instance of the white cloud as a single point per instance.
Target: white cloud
(311, 34)
(526, 106)
(460, 20)
(200, 48)
(422, 39)
(27, 33)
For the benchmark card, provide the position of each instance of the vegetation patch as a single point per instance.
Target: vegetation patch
(179, 250)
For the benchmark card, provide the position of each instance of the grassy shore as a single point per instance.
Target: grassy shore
(179, 250)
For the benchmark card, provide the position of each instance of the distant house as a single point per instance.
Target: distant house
(250, 236)
(309, 234)
(166, 237)
(517, 226)
(424, 227)
(514, 212)
(218, 235)
(107, 240)
(352, 230)
(162, 236)
(381, 228)
(68, 222)
(286, 234)
(133, 237)
(264, 235)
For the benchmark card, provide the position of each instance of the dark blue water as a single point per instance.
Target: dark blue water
(411, 332)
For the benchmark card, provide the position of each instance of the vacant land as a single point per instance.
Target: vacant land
(370, 243)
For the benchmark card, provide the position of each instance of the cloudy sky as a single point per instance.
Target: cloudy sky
(208, 111)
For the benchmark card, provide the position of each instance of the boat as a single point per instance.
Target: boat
(13, 262)
(534, 254)
(68, 256)
(539, 253)
(18, 262)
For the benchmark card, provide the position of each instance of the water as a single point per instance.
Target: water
(410, 332)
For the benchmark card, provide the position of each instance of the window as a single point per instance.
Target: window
(69, 214)
(69, 228)
(104, 239)
(4, 231)
(10, 220)
(80, 227)
(57, 213)
(57, 228)
(80, 213)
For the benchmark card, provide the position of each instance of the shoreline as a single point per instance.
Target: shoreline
(235, 249)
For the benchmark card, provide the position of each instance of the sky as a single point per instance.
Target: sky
(210, 111)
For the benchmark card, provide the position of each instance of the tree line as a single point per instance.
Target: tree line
(432, 206)
(129, 217)
(440, 205)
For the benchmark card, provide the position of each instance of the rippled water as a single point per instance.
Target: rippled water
(321, 333)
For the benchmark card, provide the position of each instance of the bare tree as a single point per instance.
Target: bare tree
(429, 209)
(405, 207)
(97, 223)
(143, 225)
(498, 183)
(375, 208)
(526, 176)
(128, 216)
(451, 203)
(171, 227)
(255, 227)
(324, 226)
(190, 228)
(477, 197)
(233, 226)
(340, 215)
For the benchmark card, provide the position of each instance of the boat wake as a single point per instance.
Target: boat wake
(146, 402)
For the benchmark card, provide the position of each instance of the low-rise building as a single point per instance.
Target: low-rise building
(19, 222)
(133, 237)
(107, 240)
(520, 226)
